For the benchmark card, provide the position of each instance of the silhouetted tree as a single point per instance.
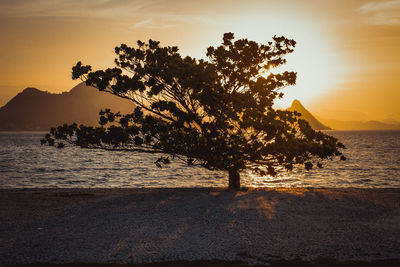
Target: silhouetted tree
(216, 113)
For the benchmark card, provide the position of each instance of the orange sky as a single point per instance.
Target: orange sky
(347, 57)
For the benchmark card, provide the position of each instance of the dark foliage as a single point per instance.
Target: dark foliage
(216, 113)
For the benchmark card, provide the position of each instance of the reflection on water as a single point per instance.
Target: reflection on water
(373, 161)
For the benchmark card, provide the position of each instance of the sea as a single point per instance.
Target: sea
(373, 161)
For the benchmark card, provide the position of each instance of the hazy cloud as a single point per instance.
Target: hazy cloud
(169, 21)
(78, 8)
(149, 14)
(381, 13)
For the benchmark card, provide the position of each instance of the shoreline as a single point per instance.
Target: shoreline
(253, 226)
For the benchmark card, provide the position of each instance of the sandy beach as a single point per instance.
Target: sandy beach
(253, 226)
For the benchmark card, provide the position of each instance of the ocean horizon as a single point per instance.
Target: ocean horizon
(373, 161)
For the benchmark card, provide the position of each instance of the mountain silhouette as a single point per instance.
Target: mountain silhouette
(360, 125)
(33, 109)
(337, 124)
(306, 115)
(36, 110)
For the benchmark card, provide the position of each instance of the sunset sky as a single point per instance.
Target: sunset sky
(347, 54)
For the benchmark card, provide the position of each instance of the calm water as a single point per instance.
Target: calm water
(373, 161)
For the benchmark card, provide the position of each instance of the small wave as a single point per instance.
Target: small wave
(22, 158)
(361, 181)
(281, 181)
(73, 182)
(393, 169)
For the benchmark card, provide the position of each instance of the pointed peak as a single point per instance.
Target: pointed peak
(82, 87)
(30, 90)
(305, 114)
(296, 104)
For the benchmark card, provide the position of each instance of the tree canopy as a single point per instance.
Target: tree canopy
(216, 113)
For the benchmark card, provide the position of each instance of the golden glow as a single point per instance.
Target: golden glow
(317, 64)
(347, 55)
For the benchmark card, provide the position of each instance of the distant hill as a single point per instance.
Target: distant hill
(306, 115)
(36, 110)
(360, 125)
(340, 125)
(33, 109)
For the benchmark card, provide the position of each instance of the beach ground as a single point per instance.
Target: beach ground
(200, 227)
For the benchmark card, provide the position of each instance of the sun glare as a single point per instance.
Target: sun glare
(317, 66)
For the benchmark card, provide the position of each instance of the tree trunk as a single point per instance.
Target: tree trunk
(234, 179)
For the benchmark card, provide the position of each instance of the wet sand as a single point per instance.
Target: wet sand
(254, 226)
